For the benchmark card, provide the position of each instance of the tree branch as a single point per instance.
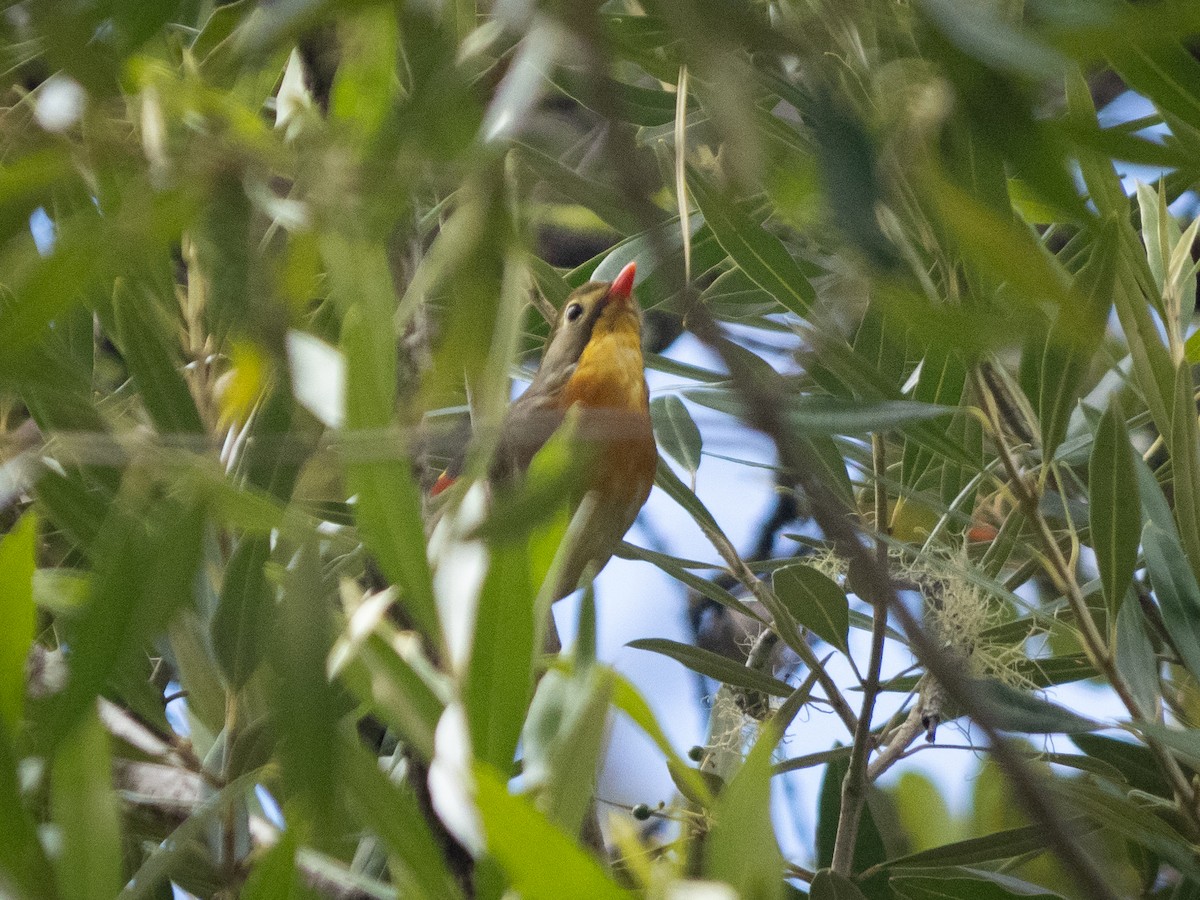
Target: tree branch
(1063, 575)
(763, 403)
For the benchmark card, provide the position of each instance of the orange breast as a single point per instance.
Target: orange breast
(610, 384)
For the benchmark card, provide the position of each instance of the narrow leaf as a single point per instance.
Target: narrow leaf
(626, 698)
(1113, 505)
(1184, 445)
(17, 612)
(816, 602)
(741, 849)
(154, 360)
(499, 679)
(245, 614)
(822, 415)
(979, 886)
(1176, 590)
(87, 814)
(23, 862)
(1136, 659)
(389, 504)
(757, 252)
(1012, 710)
(676, 431)
(715, 666)
(541, 861)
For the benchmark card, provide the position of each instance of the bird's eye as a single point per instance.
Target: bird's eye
(574, 311)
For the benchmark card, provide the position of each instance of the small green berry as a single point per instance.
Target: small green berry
(696, 754)
(641, 812)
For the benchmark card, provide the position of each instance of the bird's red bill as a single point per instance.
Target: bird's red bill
(622, 286)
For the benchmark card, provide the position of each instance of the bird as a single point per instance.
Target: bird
(593, 370)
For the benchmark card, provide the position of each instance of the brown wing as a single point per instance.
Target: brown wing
(530, 422)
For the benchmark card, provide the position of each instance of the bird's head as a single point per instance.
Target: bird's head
(593, 310)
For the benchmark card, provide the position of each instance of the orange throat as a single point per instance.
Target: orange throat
(610, 373)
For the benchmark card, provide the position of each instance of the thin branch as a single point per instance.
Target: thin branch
(764, 595)
(854, 785)
(898, 743)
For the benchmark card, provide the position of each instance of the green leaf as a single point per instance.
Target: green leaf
(61, 591)
(170, 858)
(1112, 499)
(816, 414)
(1009, 843)
(626, 698)
(363, 93)
(219, 26)
(19, 615)
(1136, 659)
(389, 505)
(1154, 504)
(638, 105)
(1113, 810)
(540, 860)
(245, 616)
(1184, 446)
(564, 747)
(1012, 710)
(154, 360)
(305, 706)
(87, 814)
(394, 813)
(499, 678)
(23, 862)
(602, 199)
(816, 602)
(848, 156)
(922, 811)
(758, 253)
(1177, 592)
(1101, 179)
(1001, 248)
(393, 685)
(148, 557)
(274, 876)
(190, 646)
(741, 848)
(978, 886)
(1135, 762)
(1163, 71)
(881, 340)
(676, 431)
(1055, 363)
(1183, 743)
(991, 38)
(1136, 297)
(734, 295)
(715, 666)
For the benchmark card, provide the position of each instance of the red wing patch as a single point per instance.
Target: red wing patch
(982, 533)
(443, 481)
